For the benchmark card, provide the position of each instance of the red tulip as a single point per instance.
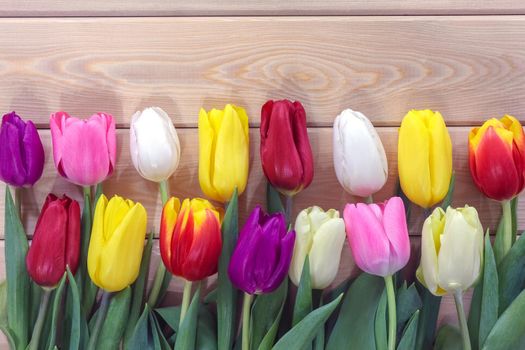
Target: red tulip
(56, 241)
(497, 158)
(190, 238)
(286, 154)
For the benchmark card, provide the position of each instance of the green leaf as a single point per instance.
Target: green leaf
(171, 315)
(186, 336)
(448, 338)
(356, 321)
(427, 318)
(450, 193)
(265, 312)
(269, 339)
(116, 320)
(513, 211)
(319, 340)
(489, 301)
(142, 338)
(498, 242)
(303, 298)
(206, 330)
(407, 303)
(4, 327)
(211, 297)
(159, 336)
(408, 339)
(380, 323)
(510, 327)
(138, 289)
(226, 292)
(18, 283)
(35, 296)
(76, 329)
(57, 304)
(305, 331)
(510, 274)
(273, 200)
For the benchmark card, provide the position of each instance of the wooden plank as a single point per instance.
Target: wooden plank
(324, 190)
(469, 68)
(255, 7)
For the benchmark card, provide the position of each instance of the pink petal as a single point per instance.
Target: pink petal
(395, 227)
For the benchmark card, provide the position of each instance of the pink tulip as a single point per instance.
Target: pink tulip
(378, 236)
(84, 150)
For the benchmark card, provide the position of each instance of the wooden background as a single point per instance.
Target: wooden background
(463, 58)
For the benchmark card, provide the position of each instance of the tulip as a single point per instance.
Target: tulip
(424, 157)
(224, 144)
(154, 144)
(286, 154)
(321, 236)
(378, 237)
(359, 157)
(56, 241)
(21, 152)
(497, 158)
(117, 242)
(84, 150)
(452, 256)
(190, 238)
(260, 260)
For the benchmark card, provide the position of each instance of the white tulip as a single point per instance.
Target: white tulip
(359, 157)
(321, 236)
(154, 144)
(451, 250)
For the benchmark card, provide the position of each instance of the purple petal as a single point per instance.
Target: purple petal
(12, 168)
(251, 223)
(281, 270)
(242, 261)
(34, 154)
(267, 253)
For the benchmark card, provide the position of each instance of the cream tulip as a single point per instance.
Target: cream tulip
(451, 250)
(321, 236)
(359, 156)
(154, 144)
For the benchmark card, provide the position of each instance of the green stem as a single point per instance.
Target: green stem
(161, 269)
(39, 325)
(101, 316)
(369, 199)
(186, 298)
(17, 193)
(289, 209)
(507, 226)
(458, 298)
(246, 305)
(392, 324)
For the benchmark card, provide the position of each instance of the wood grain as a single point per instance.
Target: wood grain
(255, 7)
(324, 191)
(469, 68)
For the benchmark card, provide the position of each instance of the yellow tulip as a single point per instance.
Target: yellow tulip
(117, 242)
(424, 157)
(223, 152)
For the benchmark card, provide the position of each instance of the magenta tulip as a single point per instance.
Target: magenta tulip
(84, 150)
(378, 236)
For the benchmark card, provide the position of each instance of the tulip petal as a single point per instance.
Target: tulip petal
(207, 141)
(116, 211)
(243, 260)
(182, 238)
(73, 235)
(283, 264)
(440, 161)
(167, 226)
(12, 167)
(57, 123)
(430, 244)
(34, 154)
(303, 243)
(267, 253)
(368, 241)
(97, 241)
(395, 227)
(302, 144)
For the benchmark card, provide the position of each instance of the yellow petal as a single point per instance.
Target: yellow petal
(243, 118)
(96, 242)
(120, 263)
(513, 125)
(206, 155)
(440, 158)
(413, 158)
(429, 269)
(476, 134)
(116, 210)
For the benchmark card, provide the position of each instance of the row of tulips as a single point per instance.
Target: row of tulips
(104, 247)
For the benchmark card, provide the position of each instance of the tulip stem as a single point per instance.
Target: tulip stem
(17, 192)
(288, 209)
(392, 324)
(369, 199)
(186, 298)
(163, 186)
(37, 330)
(101, 316)
(458, 298)
(507, 226)
(246, 305)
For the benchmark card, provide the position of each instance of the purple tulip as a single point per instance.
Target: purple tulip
(21, 151)
(263, 253)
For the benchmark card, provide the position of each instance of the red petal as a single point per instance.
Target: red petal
(73, 234)
(303, 144)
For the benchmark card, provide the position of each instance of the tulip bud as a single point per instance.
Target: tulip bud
(224, 144)
(424, 157)
(190, 238)
(497, 158)
(154, 144)
(56, 241)
(117, 242)
(261, 258)
(84, 150)
(21, 152)
(286, 155)
(378, 236)
(451, 250)
(321, 236)
(359, 157)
